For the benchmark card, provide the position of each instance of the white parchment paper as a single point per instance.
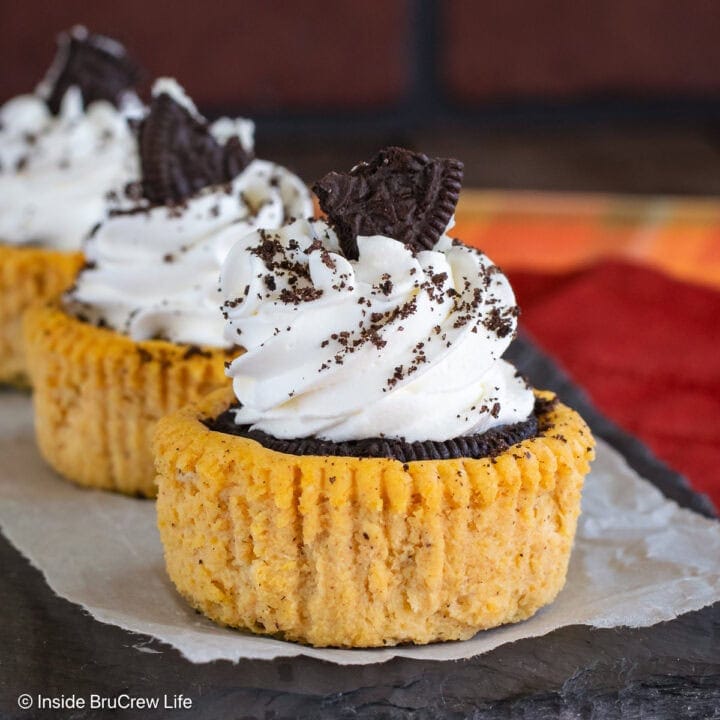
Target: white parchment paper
(638, 559)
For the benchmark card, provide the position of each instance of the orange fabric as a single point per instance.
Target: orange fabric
(557, 232)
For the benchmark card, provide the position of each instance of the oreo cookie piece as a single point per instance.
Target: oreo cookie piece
(180, 156)
(400, 194)
(96, 64)
(487, 444)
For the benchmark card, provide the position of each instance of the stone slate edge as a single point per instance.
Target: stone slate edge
(670, 670)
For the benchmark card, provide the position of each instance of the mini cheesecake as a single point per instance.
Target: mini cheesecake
(62, 150)
(141, 331)
(378, 474)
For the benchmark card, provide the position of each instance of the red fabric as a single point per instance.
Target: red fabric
(647, 349)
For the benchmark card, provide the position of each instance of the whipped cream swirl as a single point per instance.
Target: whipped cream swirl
(56, 171)
(153, 271)
(393, 344)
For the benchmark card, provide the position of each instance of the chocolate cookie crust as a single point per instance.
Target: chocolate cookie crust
(487, 444)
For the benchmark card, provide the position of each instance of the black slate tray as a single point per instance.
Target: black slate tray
(671, 670)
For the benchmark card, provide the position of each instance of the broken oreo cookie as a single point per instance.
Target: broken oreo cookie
(180, 156)
(400, 194)
(97, 65)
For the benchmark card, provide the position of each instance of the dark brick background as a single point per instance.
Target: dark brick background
(319, 56)
(619, 95)
(255, 55)
(567, 49)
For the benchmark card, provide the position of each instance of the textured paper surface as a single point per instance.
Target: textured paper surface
(638, 559)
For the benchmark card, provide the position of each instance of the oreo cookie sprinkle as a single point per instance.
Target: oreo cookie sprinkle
(180, 156)
(96, 64)
(400, 194)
